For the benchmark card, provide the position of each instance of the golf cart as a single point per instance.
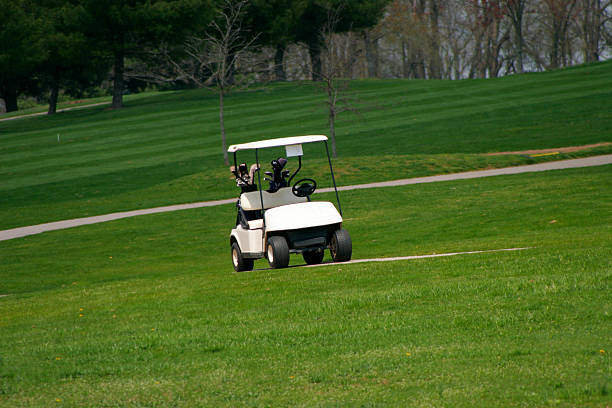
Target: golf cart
(282, 219)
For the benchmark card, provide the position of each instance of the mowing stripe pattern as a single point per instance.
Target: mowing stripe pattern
(558, 165)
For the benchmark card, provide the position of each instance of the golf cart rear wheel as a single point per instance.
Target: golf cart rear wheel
(341, 247)
(277, 252)
(240, 263)
(313, 257)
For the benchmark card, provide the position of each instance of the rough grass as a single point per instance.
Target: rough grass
(164, 148)
(146, 312)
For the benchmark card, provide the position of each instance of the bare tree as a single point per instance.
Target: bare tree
(515, 10)
(490, 36)
(225, 45)
(593, 16)
(405, 25)
(435, 60)
(331, 81)
(557, 17)
(454, 40)
(371, 37)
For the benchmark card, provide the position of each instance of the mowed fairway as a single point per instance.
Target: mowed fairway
(146, 311)
(165, 148)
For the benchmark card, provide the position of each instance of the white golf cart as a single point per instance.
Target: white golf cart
(283, 219)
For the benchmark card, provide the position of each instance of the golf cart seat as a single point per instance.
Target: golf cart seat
(251, 201)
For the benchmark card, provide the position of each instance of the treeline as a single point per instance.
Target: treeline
(70, 46)
(455, 39)
(78, 47)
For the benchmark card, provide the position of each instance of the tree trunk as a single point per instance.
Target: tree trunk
(279, 67)
(118, 79)
(9, 94)
(222, 126)
(555, 38)
(371, 51)
(591, 29)
(516, 9)
(405, 67)
(520, 45)
(435, 64)
(53, 94)
(314, 49)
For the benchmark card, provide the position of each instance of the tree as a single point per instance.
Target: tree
(515, 10)
(371, 37)
(435, 62)
(275, 20)
(402, 28)
(455, 40)
(558, 15)
(355, 15)
(123, 29)
(490, 36)
(69, 58)
(331, 80)
(20, 50)
(227, 44)
(414, 25)
(593, 16)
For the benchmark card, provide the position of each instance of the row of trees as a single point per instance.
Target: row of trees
(48, 46)
(69, 45)
(455, 39)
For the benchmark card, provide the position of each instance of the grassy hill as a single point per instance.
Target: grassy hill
(165, 148)
(146, 312)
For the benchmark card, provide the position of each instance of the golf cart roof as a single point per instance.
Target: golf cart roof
(283, 141)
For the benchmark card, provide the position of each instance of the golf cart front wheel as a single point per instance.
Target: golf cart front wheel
(313, 257)
(240, 263)
(277, 252)
(341, 247)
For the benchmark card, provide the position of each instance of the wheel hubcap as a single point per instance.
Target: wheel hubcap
(235, 257)
(270, 253)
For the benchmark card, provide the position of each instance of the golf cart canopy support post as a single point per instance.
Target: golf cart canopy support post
(284, 141)
(333, 178)
(263, 208)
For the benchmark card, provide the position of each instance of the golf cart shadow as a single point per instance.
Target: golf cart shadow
(305, 265)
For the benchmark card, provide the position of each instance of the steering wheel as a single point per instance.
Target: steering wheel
(304, 187)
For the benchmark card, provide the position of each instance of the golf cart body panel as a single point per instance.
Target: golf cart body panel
(301, 215)
(252, 200)
(249, 240)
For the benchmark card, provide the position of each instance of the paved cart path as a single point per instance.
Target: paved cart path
(29, 115)
(556, 165)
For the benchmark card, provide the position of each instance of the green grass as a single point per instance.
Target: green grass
(164, 148)
(145, 311)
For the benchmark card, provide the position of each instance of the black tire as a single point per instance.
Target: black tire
(240, 263)
(277, 252)
(341, 247)
(313, 257)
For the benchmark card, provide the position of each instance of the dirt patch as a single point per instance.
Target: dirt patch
(569, 149)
